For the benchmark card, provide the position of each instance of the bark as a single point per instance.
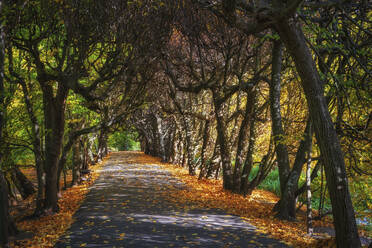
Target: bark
(313, 175)
(161, 136)
(189, 153)
(7, 226)
(309, 224)
(276, 117)
(248, 163)
(23, 184)
(142, 144)
(343, 213)
(227, 174)
(102, 138)
(64, 177)
(288, 178)
(84, 154)
(76, 164)
(206, 136)
(4, 202)
(62, 161)
(287, 203)
(102, 144)
(155, 144)
(241, 146)
(169, 141)
(176, 150)
(188, 140)
(4, 212)
(90, 144)
(241, 169)
(215, 161)
(54, 118)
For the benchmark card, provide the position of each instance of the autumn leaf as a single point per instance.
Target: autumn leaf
(48, 229)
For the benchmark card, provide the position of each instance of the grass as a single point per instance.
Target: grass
(270, 183)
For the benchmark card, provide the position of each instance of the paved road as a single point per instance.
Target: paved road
(126, 207)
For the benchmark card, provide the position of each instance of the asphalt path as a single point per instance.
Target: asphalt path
(127, 206)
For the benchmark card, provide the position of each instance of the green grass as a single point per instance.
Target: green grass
(270, 183)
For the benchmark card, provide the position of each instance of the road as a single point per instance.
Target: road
(127, 207)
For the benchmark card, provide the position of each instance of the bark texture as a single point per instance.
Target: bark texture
(291, 34)
(276, 117)
(4, 214)
(54, 118)
(23, 184)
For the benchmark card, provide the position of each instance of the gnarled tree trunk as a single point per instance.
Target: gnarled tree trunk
(54, 118)
(291, 34)
(227, 173)
(23, 184)
(276, 118)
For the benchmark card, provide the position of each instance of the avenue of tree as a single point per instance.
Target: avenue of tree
(230, 89)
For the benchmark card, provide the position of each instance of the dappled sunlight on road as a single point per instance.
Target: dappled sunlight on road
(128, 207)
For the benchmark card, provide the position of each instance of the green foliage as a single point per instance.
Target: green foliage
(361, 194)
(270, 183)
(124, 141)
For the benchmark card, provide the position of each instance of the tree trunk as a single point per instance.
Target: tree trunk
(161, 136)
(343, 213)
(309, 224)
(76, 164)
(90, 144)
(276, 118)
(4, 212)
(248, 163)
(203, 166)
(188, 140)
(7, 226)
(239, 172)
(4, 202)
(265, 167)
(215, 160)
(241, 147)
(84, 155)
(188, 145)
(54, 118)
(38, 153)
(102, 144)
(313, 175)
(23, 184)
(227, 175)
(288, 199)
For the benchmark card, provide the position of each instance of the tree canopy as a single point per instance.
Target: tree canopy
(230, 89)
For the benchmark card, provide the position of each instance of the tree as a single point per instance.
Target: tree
(282, 17)
(72, 49)
(4, 213)
(7, 226)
